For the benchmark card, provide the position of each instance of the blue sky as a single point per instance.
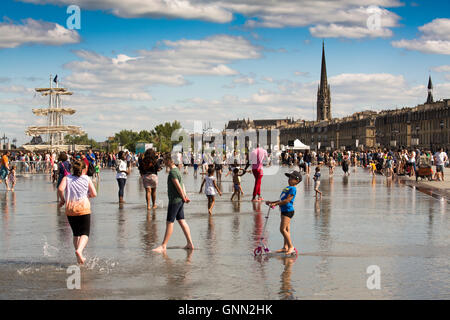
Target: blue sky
(182, 65)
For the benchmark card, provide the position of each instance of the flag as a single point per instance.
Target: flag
(55, 80)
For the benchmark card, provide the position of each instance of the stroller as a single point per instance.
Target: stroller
(424, 171)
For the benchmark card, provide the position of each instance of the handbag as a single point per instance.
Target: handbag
(66, 173)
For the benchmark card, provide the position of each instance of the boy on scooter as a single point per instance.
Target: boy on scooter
(286, 204)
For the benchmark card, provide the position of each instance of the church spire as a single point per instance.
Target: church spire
(323, 94)
(430, 91)
(323, 73)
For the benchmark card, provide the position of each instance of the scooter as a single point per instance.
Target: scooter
(263, 249)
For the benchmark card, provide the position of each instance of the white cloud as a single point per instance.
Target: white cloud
(242, 80)
(435, 38)
(35, 32)
(301, 73)
(354, 32)
(445, 68)
(130, 77)
(337, 18)
(185, 9)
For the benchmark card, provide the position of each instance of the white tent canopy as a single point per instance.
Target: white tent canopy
(298, 145)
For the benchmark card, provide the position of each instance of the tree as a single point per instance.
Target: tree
(81, 140)
(163, 132)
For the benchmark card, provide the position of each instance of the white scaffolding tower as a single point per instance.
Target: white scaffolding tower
(55, 130)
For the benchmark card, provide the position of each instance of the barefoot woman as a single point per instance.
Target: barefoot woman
(74, 192)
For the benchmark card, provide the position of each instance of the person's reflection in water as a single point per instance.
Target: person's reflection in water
(389, 182)
(178, 276)
(5, 215)
(345, 182)
(236, 223)
(211, 237)
(322, 229)
(13, 201)
(307, 183)
(149, 232)
(317, 208)
(258, 217)
(5, 205)
(286, 289)
(236, 206)
(122, 232)
(430, 222)
(331, 185)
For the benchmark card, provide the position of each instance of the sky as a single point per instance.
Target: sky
(137, 63)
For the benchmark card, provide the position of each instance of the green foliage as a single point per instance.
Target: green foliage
(81, 140)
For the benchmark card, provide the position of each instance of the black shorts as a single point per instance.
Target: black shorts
(288, 214)
(81, 225)
(175, 211)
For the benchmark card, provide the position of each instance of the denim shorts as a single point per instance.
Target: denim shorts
(175, 211)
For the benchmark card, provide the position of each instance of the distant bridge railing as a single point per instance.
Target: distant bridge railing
(31, 167)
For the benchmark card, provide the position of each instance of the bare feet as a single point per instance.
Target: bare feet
(290, 251)
(189, 246)
(281, 250)
(154, 206)
(160, 249)
(80, 257)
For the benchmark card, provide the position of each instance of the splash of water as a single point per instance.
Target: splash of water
(49, 250)
(103, 266)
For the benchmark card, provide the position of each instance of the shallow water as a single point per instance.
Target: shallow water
(360, 221)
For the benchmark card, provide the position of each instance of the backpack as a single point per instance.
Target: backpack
(91, 170)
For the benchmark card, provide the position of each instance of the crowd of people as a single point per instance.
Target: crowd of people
(75, 173)
(389, 163)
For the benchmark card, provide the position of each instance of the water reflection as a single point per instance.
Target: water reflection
(338, 237)
(149, 232)
(211, 237)
(178, 276)
(286, 290)
(122, 233)
(322, 227)
(258, 223)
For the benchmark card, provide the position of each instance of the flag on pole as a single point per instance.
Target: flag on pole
(55, 80)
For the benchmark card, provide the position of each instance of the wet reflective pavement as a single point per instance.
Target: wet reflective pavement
(360, 221)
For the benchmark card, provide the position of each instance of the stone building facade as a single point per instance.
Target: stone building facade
(425, 126)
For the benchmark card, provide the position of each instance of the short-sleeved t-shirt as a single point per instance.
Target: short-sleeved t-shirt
(5, 161)
(121, 170)
(289, 190)
(317, 176)
(174, 196)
